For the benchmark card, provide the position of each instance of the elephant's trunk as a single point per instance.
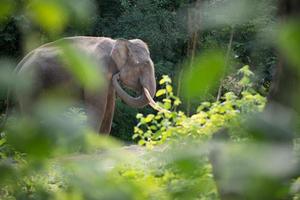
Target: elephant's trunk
(137, 102)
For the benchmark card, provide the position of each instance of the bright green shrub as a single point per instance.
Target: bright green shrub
(210, 116)
(163, 173)
(184, 168)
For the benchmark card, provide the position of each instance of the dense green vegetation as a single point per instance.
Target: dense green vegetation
(187, 175)
(223, 132)
(164, 25)
(211, 116)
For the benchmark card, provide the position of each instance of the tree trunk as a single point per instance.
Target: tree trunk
(286, 81)
(193, 41)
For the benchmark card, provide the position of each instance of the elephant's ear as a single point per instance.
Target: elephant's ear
(119, 52)
(138, 51)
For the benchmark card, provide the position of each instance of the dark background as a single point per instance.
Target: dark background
(163, 25)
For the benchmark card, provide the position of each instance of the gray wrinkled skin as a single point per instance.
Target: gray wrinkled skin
(128, 60)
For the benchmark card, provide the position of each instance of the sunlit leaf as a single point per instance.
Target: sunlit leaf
(203, 106)
(167, 105)
(165, 79)
(149, 118)
(177, 102)
(169, 88)
(245, 71)
(153, 127)
(244, 81)
(167, 100)
(2, 141)
(135, 136)
(139, 115)
(160, 92)
(142, 142)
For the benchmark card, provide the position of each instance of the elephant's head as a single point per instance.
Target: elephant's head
(136, 71)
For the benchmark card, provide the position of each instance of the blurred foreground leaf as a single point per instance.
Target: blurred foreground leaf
(85, 68)
(55, 15)
(52, 129)
(6, 9)
(205, 74)
(253, 170)
(50, 15)
(221, 13)
(289, 42)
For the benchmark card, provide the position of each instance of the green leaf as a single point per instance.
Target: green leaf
(204, 74)
(169, 88)
(136, 130)
(167, 100)
(84, 68)
(50, 15)
(203, 106)
(139, 116)
(2, 141)
(165, 79)
(245, 71)
(245, 81)
(160, 92)
(153, 127)
(149, 118)
(7, 7)
(135, 136)
(157, 117)
(230, 96)
(167, 105)
(289, 42)
(142, 142)
(177, 102)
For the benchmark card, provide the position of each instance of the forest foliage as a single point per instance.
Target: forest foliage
(167, 27)
(217, 136)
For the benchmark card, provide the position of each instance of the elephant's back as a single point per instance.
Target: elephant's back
(47, 66)
(42, 58)
(44, 68)
(52, 51)
(86, 44)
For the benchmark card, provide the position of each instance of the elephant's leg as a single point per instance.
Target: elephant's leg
(109, 112)
(95, 108)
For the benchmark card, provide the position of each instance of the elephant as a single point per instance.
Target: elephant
(121, 62)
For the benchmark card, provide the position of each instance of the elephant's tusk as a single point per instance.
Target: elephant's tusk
(152, 103)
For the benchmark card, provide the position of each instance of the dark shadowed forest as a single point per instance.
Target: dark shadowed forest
(219, 119)
(174, 31)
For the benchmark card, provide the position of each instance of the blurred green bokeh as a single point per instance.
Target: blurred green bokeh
(229, 149)
(205, 74)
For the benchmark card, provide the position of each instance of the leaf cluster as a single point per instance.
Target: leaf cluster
(210, 117)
